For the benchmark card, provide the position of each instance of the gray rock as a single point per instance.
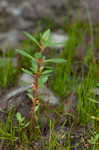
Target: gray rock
(11, 12)
(59, 38)
(48, 96)
(25, 79)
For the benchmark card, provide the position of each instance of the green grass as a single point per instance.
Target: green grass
(63, 72)
(8, 72)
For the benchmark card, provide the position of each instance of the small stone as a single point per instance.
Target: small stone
(25, 79)
(59, 38)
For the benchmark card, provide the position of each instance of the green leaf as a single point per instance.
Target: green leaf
(38, 55)
(41, 68)
(32, 38)
(27, 71)
(45, 37)
(48, 67)
(42, 80)
(22, 119)
(30, 90)
(36, 108)
(97, 84)
(93, 100)
(34, 66)
(18, 116)
(26, 55)
(47, 43)
(47, 72)
(30, 96)
(26, 125)
(50, 44)
(55, 60)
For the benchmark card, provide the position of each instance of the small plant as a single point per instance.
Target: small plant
(21, 121)
(39, 68)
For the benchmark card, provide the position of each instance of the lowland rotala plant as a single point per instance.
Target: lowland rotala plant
(40, 69)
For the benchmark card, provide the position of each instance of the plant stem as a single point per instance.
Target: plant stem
(35, 88)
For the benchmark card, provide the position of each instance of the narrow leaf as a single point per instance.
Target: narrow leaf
(45, 37)
(27, 71)
(32, 38)
(18, 116)
(93, 100)
(34, 66)
(47, 72)
(42, 80)
(22, 52)
(38, 55)
(47, 43)
(55, 60)
(48, 67)
(36, 108)
(30, 96)
(22, 119)
(54, 44)
(26, 54)
(27, 124)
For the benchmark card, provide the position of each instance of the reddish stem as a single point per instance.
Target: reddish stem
(36, 87)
